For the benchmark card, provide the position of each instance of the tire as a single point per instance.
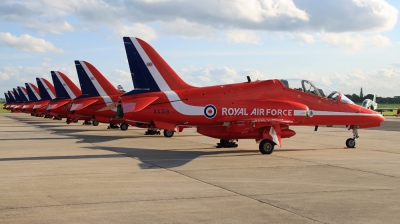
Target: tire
(350, 143)
(168, 133)
(95, 123)
(123, 127)
(266, 146)
(224, 143)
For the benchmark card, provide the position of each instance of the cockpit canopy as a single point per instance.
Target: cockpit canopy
(315, 88)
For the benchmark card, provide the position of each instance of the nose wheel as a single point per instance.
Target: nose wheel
(351, 142)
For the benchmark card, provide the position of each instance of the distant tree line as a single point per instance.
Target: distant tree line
(357, 99)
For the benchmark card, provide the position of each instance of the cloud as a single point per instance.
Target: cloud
(28, 43)
(302, 37)
(239, 21)
(242, 36)
(349, 42)
(384, 81)
(136, 30)
(212, 75)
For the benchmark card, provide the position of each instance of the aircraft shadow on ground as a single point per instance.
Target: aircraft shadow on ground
(168, 158)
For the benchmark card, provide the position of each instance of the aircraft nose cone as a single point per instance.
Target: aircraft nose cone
(381, 118)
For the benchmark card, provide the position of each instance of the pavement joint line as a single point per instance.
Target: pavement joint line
(337, 166)
(116, 202)
(316, 192)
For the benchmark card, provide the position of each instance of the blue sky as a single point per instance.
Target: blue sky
(347, 44)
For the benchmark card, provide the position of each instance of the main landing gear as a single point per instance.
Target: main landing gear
(124, 126)
(95, 123)
(351, 142)
(168, 133)
(224, 143)
(266, 146)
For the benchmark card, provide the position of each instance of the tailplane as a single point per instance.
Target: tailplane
(149, 71)
(64, 87)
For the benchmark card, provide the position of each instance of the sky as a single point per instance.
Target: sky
(346, 44)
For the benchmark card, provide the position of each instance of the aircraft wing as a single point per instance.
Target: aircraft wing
(82, 105)
(57, 104)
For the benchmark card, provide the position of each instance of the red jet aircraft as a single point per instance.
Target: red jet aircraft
(97, 95)
(260, 110)
(66, 91)
(47, 93)
(33, 93)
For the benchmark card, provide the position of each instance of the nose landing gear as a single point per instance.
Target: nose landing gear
(351, 142)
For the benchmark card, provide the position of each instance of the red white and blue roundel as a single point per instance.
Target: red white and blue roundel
(210, 111)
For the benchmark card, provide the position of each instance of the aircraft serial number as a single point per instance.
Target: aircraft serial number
(161, 111)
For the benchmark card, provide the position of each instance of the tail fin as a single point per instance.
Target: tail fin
(12, 97)
(93, 83)
(7, 98)
(33, 92)
(23, 94)
(374, 100)
(46, 89)
(16, 94)
(148, 68)
(64, 87)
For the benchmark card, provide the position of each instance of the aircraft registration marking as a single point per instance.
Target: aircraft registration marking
(161, 111)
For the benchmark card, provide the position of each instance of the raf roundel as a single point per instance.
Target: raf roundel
(210, 111)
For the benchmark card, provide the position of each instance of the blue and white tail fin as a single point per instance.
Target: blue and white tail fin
(149, 71)
(23, 94)
(46, 89)
(16, 94)
(93, 83)
(11, 96)
(7, 98)
(33, 92)
(64, 87)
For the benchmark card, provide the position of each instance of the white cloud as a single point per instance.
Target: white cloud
(239, 21)
(384, 82)
(349, 42)
(136, 30)
(55, 26)
(121, 77)
(242, 36)
(212, 75)
(28, 43)
(302, 37)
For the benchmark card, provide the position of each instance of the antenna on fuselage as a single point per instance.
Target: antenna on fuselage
(248, 79)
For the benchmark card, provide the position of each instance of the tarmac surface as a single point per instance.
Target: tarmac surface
(51, 172)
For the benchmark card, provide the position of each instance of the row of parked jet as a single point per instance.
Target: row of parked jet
(261, 110)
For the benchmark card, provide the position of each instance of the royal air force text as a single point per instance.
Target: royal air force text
(256, 112)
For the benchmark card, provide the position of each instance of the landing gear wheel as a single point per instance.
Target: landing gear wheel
(266, 146)
(168, 133)
(350, 143)
(95, 123)
(124, 126)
